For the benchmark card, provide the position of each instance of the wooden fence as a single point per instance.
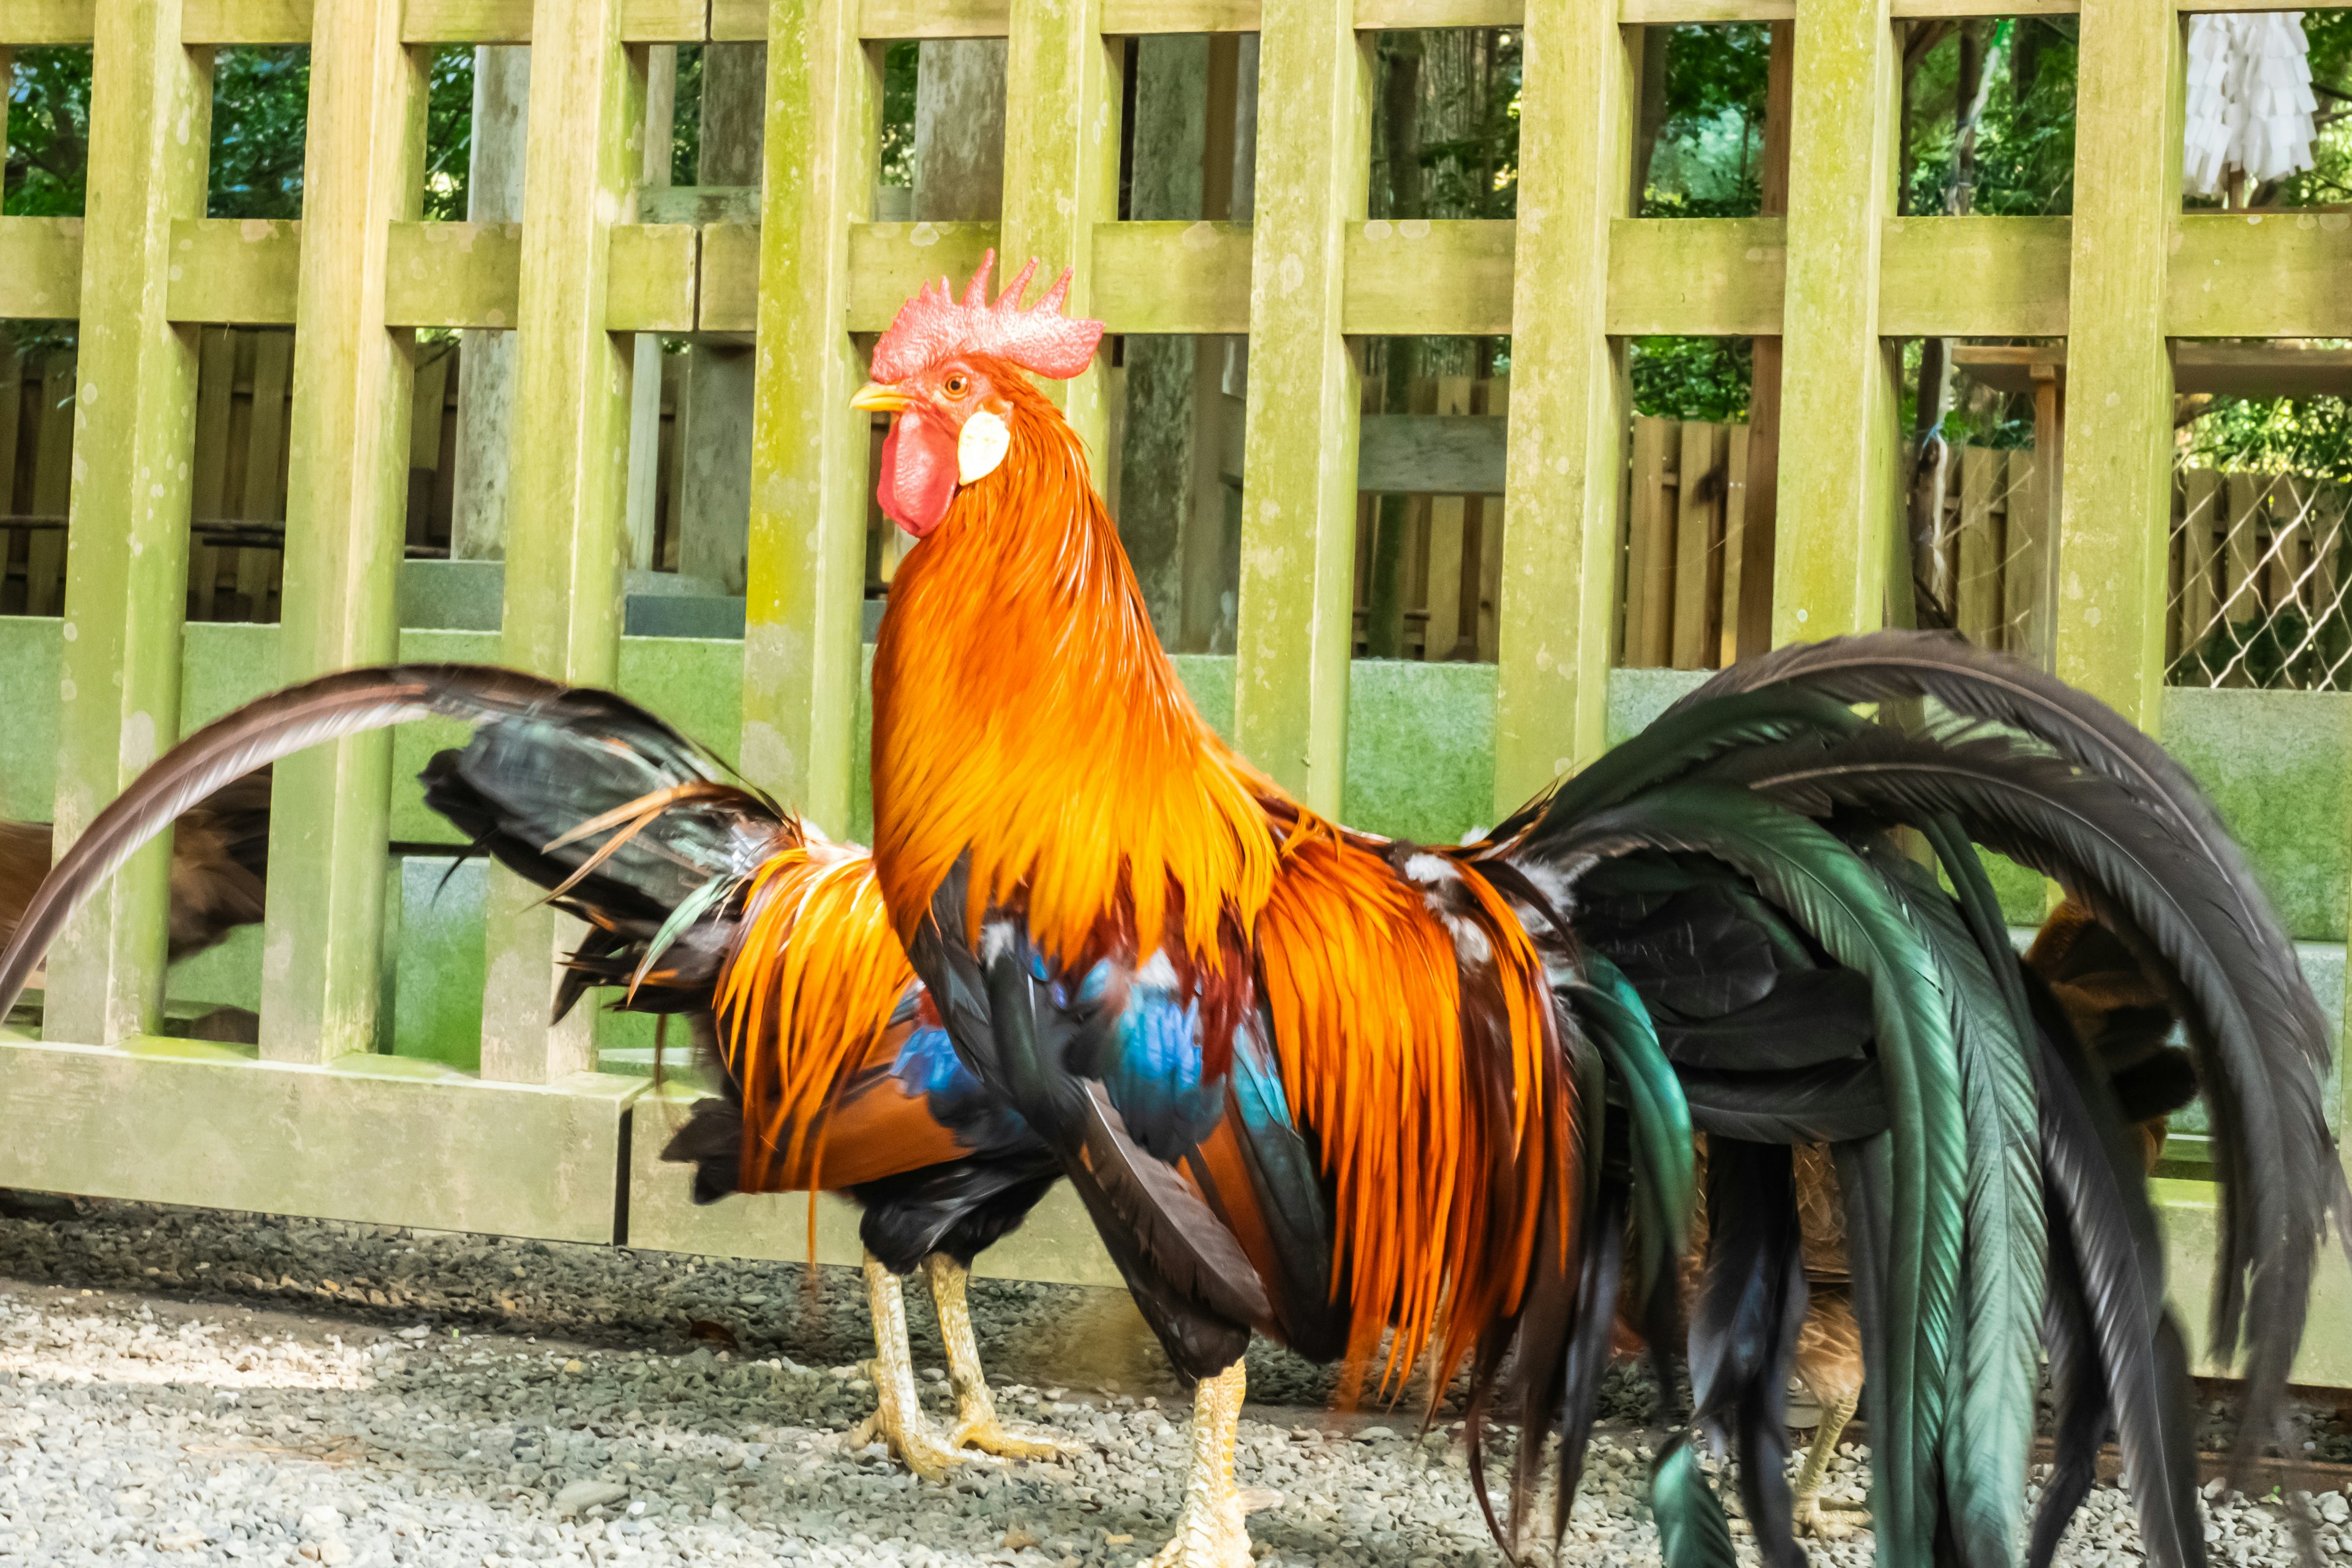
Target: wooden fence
(535, 1142)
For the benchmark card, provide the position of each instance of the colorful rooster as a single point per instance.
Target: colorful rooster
(1392, 1104)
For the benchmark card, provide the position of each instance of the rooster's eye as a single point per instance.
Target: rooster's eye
(956, 385)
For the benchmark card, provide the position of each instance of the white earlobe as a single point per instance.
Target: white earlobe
(982, 447)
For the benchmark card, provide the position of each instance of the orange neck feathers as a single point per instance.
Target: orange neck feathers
(1024, 711)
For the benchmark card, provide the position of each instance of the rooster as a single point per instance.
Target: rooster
(1391, 1103)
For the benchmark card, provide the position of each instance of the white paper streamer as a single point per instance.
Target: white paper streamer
(2250, 100)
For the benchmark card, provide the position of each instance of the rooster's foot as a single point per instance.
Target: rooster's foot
(1834, 1522)
(1009, 1440)
(899, 1419)
(913, 1441)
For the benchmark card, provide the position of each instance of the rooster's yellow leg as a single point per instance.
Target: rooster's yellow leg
(899, 1419)
(1836, 1411)
(976, 1423)
(1210, 1532)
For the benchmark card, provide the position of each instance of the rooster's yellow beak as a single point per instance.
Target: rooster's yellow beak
(881, 399)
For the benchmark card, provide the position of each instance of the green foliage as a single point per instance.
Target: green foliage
(1467, 123)
(261, 101)
(448, 132)
(2024, 145)
(1693, 378)
(2274, 649)
(686, 122)
(2273, 435)
(900, 63)
(48, 132)
(1710, 145)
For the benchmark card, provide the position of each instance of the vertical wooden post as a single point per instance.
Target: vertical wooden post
(2116, 503)
(486, 357)
(1564, 470)
(646, 377)
(1837, 381)
(1649, 544)
(1697, 542)
(568, 493)
(1298, 503)
(1061, 169)
(714, 458)
(215, 395)
(1758, 531)
(346, 516)
(2200, 510)
(806, 563)
(1976, 597)
(127, 555)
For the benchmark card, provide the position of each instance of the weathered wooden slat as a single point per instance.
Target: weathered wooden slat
(510, 21)
(804, 608)
(2201, 509)
(1555, 587)
(2259, 274)
(1703, 277)
(1377, 16)
(1976, 574)
(926, 19)
(1649, 544)
(2118, 492)
(1973, 277)
(234, 271)
(1831, 566)
(127, 564)
(654, 278)
(453, 275)
(246, 21)
(265, 464)
(1430, 454)
(889, 261)
(1662, 13)
(1142, 17)
(1298, 508)
(1698, 543)
(40, 267)
(1062, 93)
(44, 552)
(1418, 278)
(1670, 13)
(346, 520)
(1172, 277)
(729, 300)
(1448, 519)
(48, 22)
(569, 485)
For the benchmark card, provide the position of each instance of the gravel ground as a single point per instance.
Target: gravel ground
(240, 1388)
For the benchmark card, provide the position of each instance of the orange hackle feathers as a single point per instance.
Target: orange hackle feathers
(808, 989)
(1025, 717)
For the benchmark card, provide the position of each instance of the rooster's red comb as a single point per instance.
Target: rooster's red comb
(1040, 340)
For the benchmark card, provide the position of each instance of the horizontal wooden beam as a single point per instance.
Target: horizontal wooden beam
(1172, 277)
(1697, 276)
(1974, 277)
(1441, 279)
(2267, 275)
(378, 1139)
(2261, 275)
(234, 271)
(244, 21)
(1430, 454)
(40, 267)
(889, 261)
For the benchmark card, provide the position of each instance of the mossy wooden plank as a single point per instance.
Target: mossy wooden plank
(346, 522)
(246, 21)
(1375, 15)
(1670, 13)
(566, 539)
(666, 21)
(234, 271)
(27, 22)
(889, 261)
(1298, 508)
(466, 22)
(1418, 277)
(1974, 277)
(1062, 91)
(1420, 749)
(127, 554)
(1703, 277)
(40, 267)
(1129, 17)
(454, 275)
(1172, 277)
(380, 1140)
(929, 18)
(654, 284)
(1565, 458)
(728, 292)
(805, 596)
(2259, 274)
(2117, 489)
(1837, 379)
(32, 650)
